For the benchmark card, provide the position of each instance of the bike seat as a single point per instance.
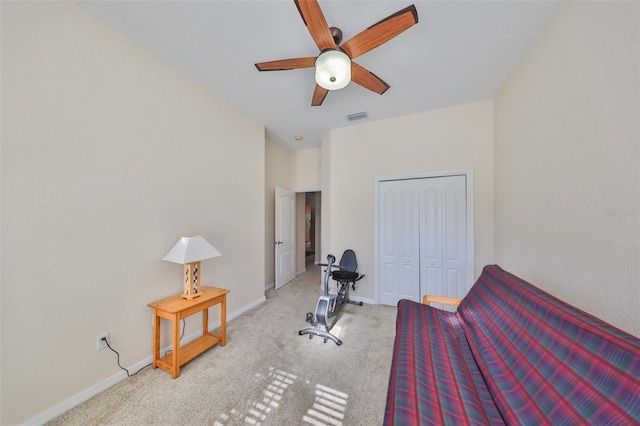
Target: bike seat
(344, 275)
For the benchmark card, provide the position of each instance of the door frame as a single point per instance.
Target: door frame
(468, 173)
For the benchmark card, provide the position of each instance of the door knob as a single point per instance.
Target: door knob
(278, 242)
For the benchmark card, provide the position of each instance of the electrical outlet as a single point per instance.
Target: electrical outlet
(101, 344)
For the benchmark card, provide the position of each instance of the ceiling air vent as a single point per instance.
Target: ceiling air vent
(358, 116)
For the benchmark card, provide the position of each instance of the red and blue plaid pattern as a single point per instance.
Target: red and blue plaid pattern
(434, 380)
(512, 354)
(546, 362)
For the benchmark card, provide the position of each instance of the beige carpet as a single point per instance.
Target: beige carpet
(266, 374)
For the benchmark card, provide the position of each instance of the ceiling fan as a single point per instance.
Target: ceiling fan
(334, 66)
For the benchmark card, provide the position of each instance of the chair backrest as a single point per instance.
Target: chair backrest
(348, 261)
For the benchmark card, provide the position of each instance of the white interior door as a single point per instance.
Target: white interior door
(285, 243)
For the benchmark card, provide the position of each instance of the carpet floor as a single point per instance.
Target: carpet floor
(266, 374)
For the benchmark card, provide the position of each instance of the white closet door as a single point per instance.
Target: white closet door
(399, 241)
(443, 236)
(423, 238)
(431, 238)
(388, 219)
(409, 242)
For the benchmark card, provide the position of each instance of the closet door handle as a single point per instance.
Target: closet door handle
(279, 242)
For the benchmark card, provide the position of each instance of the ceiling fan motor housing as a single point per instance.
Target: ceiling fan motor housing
(336, 33)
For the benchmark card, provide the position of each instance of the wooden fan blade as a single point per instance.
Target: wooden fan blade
(365, 78)
(287, 64)
(318, 96)
(381, 32)
(316, 23)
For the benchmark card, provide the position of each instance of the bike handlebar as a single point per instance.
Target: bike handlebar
(331, 258)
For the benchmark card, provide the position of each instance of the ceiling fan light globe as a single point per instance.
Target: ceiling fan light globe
(333, 70)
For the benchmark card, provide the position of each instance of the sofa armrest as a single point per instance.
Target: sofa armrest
(428, 299)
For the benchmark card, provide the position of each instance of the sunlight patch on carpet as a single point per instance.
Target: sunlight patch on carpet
(256, 412)
(328, 408)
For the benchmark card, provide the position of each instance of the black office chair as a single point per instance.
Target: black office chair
(346, 274)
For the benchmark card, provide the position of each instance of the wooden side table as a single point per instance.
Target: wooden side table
(176, 308)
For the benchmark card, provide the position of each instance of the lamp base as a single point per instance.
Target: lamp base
(190, 296)
(191, 280)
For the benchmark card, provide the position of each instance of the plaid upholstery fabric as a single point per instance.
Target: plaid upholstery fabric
(434, 380)
(546, 362)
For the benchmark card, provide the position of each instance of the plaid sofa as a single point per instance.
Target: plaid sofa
(511, 354)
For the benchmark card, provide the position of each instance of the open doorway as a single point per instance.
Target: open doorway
(307, 229)
(309, 225)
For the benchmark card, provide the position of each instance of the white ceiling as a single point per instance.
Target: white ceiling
(458, 52)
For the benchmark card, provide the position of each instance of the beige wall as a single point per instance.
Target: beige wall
(306, 170)
(300, 227)
(454, 138)
(325, 188)
(567, 198)
(108, 156)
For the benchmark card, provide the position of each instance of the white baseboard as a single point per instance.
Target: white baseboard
(92, 391)
(244, 309)
(79, 398)
(361, 299)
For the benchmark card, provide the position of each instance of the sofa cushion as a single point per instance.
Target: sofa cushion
(546, 362)
(434, 380)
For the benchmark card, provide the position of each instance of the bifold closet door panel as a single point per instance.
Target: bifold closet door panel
(443, 236)
(399, 241)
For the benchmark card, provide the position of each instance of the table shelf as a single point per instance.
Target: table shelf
(191, 350)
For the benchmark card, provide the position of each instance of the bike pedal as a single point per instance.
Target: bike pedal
(310, 318)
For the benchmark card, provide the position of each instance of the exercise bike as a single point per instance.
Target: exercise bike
(330, 305)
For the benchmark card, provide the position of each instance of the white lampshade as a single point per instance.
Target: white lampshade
(333, 69)
(191, 249)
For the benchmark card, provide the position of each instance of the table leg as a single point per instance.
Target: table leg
(156, 339)
(205, 321)
(176, 346)
(223, 321)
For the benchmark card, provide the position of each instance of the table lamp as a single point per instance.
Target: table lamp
(189, 251)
